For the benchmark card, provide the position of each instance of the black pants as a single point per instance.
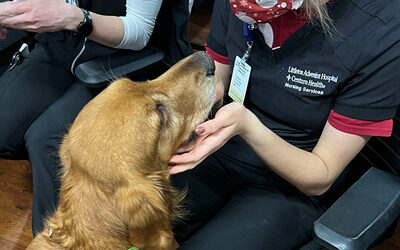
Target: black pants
(38, 100)
(229, 211)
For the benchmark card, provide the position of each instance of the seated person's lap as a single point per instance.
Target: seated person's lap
(223, 214)
(25, 92)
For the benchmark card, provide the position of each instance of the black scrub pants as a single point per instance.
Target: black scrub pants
(38, 100)
(229, 211)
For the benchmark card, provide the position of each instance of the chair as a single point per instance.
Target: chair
(102, 70)
(368, 211)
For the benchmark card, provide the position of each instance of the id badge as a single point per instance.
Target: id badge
(240, 80)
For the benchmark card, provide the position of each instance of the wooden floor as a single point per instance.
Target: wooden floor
(15, 204)
(16, 208)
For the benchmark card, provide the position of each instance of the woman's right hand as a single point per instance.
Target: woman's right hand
(39, 15)
(3, 33)
(229, 121)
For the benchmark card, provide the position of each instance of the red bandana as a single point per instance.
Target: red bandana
(262, 11)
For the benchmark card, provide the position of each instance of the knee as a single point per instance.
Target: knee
(42, 137)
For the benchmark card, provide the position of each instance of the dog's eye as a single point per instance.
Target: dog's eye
(161, 109)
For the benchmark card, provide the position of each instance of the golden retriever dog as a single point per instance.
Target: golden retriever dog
(115, 189)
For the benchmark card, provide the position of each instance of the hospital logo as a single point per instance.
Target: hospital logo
(308, 81)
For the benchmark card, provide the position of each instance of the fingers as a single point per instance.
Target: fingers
(192, 157)
(184, 162)
(181, 163)
(202, 149)
(186, 147)
(179, 169)
(182, 159)
(21, 21)
(210, 127)
(212, 135)
(226, 116)
(20, 15)
(9, 8)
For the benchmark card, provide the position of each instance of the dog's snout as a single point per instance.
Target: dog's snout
(207, 61)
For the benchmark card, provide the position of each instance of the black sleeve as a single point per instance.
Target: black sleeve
(216, 39)
(373, 93)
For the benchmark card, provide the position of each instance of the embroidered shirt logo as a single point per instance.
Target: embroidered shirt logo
(308, 81)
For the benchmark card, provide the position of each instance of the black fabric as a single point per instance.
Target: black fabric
(292, 90)
(104, 7)
(170, 30)
(227, 210)
(64, 46)
(42, 141)
(35, 112)
(40, 98)
(353, 73)
(19, 105)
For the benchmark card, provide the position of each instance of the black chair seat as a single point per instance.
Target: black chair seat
(102, 70)
(363, 212)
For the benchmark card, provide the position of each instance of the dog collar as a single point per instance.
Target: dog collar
(133, 248)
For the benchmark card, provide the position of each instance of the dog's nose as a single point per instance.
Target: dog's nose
(207, 61)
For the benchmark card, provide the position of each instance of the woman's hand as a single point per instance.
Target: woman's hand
(39, 15)
(229, 121)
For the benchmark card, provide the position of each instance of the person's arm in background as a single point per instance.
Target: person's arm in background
(54, 15)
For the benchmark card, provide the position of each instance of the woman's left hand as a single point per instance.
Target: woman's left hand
(39, 15)
(229, 121)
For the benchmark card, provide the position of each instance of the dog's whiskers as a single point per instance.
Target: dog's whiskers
(111, 77)
(166, 63)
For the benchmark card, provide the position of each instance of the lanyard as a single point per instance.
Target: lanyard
(241, 69)
(249, 35)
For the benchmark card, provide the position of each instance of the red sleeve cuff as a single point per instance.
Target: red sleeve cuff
(215, 56)
(360, 127)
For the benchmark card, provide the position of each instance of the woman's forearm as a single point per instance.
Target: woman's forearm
(311, 172)
(107, 30)
(301, 168)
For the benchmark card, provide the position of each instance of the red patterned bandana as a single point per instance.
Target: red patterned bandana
(262, 11)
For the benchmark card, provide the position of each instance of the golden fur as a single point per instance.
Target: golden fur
(115, 190)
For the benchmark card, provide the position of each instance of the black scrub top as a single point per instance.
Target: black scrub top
(293, 89)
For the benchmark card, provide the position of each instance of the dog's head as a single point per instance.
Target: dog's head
(138, 126)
